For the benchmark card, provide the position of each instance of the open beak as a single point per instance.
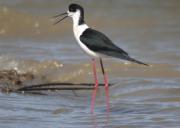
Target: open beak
(59, 15)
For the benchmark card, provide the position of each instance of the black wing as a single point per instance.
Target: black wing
(98, 42)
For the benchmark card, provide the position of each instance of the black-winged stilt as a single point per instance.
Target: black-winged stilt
(95, 44)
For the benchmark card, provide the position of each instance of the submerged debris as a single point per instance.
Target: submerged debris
(11, 80)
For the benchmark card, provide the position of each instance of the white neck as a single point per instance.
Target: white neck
(78, 29)
(76, 17)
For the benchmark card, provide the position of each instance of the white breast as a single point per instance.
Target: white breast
(78, 30)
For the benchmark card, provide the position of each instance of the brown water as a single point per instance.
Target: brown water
(142, 97)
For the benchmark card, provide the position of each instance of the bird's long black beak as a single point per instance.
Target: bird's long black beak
(57, 16)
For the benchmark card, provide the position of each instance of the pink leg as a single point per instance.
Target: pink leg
(106, 85)
(96, 86)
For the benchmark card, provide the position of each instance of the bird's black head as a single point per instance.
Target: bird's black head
(76, 12)
(73, 11)
(75, 7)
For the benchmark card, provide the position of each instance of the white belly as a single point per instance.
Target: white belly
(78, 30)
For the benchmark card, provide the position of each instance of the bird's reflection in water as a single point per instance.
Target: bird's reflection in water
(107, 112)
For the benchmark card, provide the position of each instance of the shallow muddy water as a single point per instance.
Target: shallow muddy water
(141, 97)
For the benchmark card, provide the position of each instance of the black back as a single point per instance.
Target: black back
(98, 42)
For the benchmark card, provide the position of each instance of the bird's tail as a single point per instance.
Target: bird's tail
(124, 57)
(128, 58)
